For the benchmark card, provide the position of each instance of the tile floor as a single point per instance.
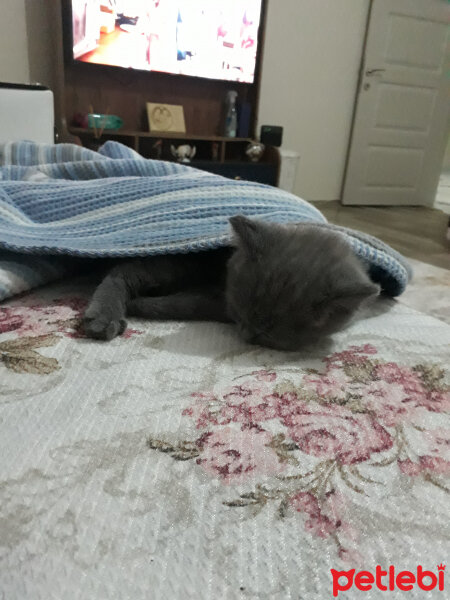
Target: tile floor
(415, 231)
(442, 201)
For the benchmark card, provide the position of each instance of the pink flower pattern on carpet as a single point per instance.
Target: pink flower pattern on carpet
(318, 438)
(232, 454)
(35, 325)
(335, 432)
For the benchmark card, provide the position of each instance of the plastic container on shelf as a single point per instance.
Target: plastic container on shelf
(106, 122)
(230, 114)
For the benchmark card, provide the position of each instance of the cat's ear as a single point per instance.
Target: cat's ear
(249, 233)
(345, 300)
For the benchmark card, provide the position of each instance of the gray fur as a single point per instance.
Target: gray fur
(284, 286)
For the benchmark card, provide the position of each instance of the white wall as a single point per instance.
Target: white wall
(40, 24)
(309, 76)
(14, 66)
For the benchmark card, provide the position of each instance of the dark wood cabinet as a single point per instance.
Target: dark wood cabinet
(216, 154)
(125, 92)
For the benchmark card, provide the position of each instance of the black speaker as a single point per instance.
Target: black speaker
(271, 135)
(244, 113)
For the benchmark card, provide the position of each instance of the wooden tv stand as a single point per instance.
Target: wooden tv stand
(216, 154)
(85, 88)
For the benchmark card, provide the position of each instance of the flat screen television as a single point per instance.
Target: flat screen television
(216, 39)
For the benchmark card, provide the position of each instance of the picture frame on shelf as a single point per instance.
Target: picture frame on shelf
(166, 117)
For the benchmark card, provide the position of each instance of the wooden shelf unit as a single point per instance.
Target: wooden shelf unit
(226, 148)
(228, 159)
(125, 92)
(85, 87)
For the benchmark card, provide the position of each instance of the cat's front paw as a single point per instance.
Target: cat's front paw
(102, 327)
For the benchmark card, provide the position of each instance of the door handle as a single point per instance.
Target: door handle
(371, 72)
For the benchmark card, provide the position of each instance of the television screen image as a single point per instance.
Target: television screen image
(216, 39)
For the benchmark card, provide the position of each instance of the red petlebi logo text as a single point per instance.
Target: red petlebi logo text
(388, 580)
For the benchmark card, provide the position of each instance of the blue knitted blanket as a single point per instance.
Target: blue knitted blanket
(62, 200)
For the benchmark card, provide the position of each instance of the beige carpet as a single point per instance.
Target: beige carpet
(429, 291)
(177, 462)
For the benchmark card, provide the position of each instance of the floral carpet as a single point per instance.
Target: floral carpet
(178, 462)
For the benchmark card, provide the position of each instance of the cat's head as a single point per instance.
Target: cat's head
(290, 285)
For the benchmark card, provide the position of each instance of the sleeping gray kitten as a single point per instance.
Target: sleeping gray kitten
(284, 286)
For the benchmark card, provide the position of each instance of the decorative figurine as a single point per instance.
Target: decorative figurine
(254, 151)
(183, 153)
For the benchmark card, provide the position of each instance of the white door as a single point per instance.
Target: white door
(401, 120)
